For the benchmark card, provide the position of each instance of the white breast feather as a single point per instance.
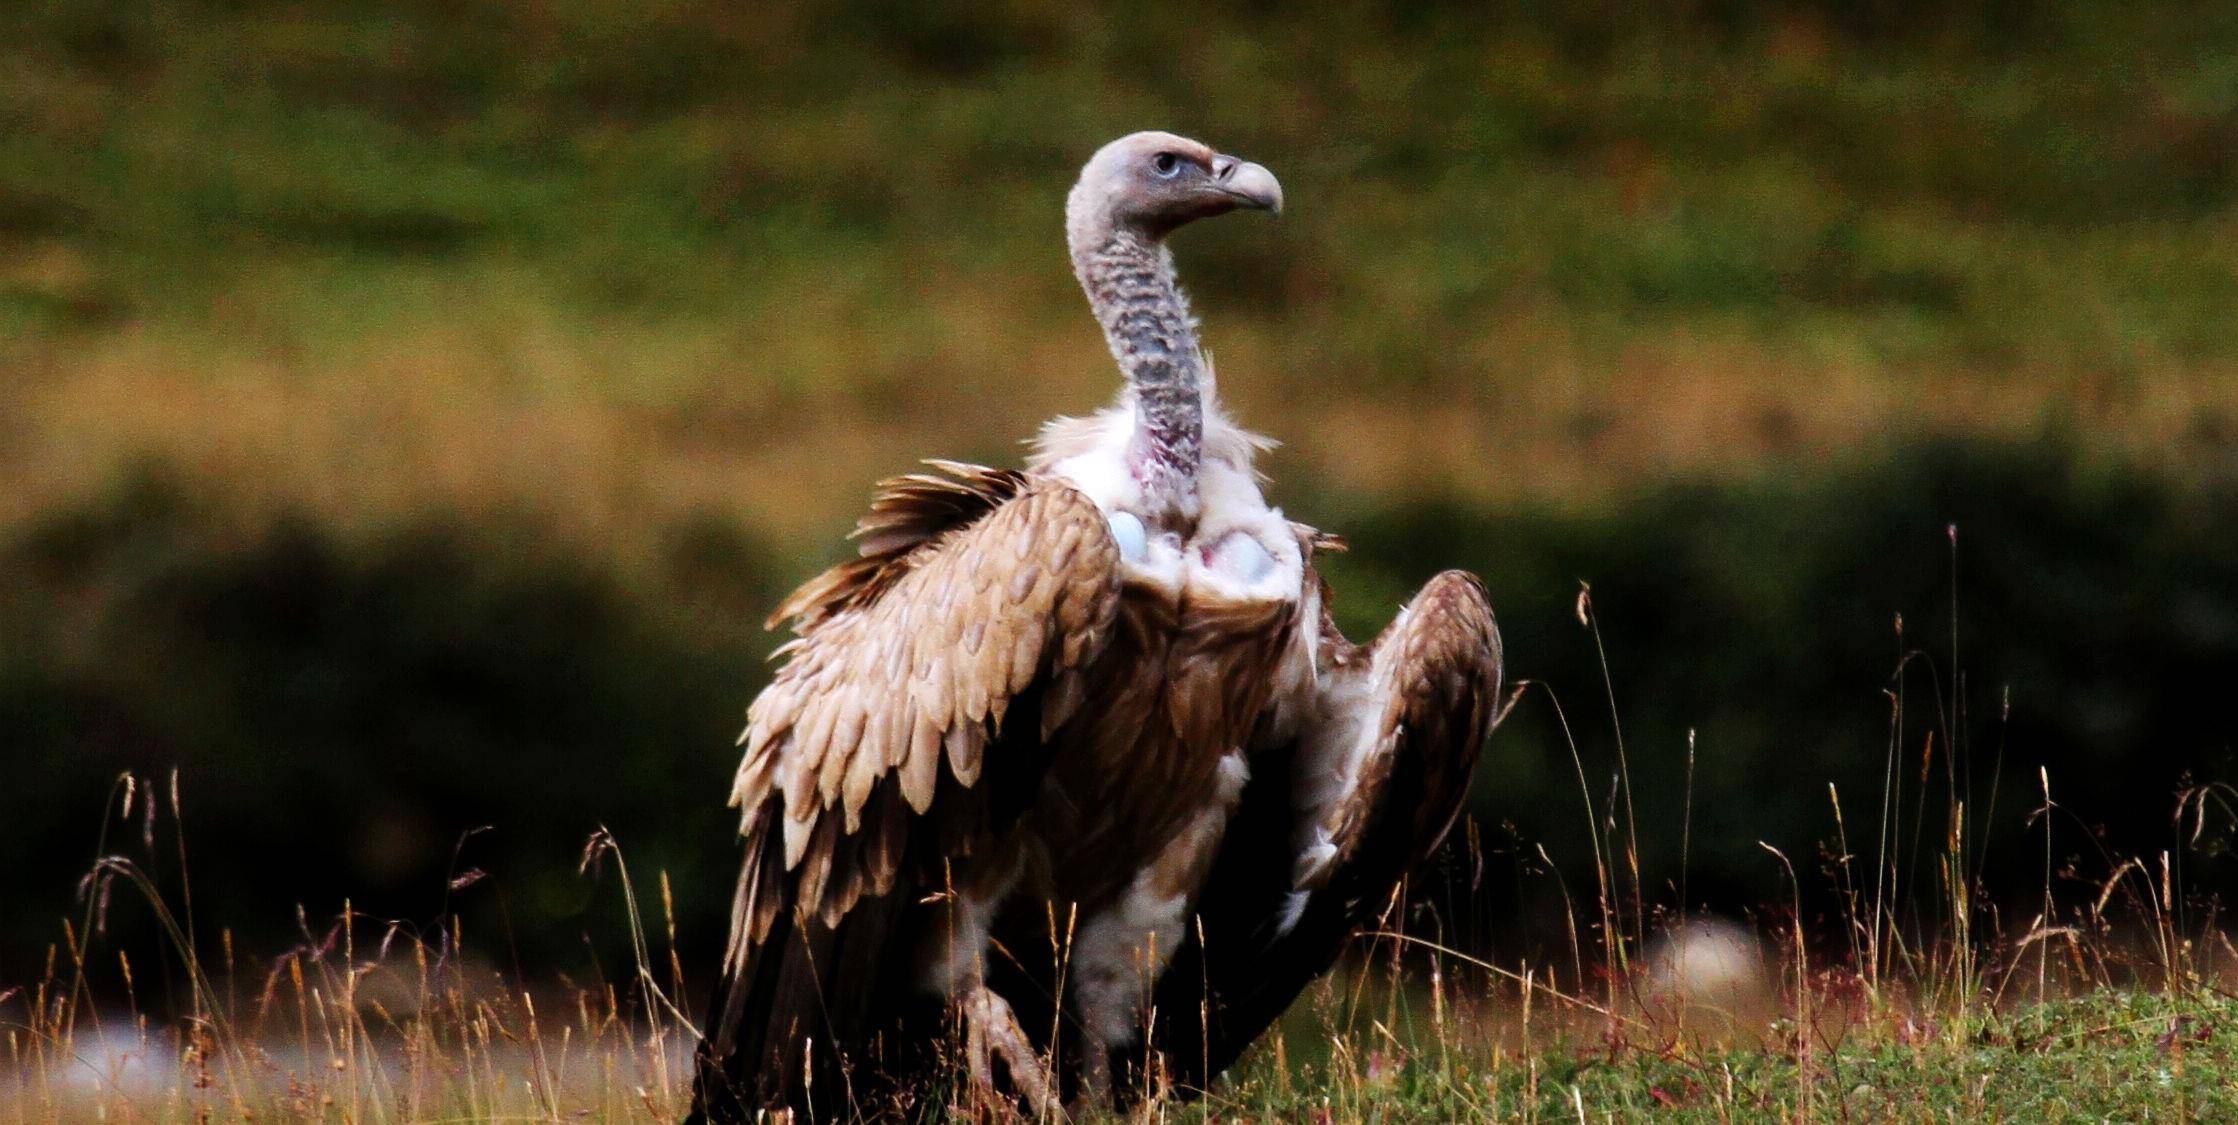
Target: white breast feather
(1242, 548)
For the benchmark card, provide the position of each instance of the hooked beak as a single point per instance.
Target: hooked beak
(1250, 184)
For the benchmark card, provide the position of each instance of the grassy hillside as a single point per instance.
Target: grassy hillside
(567, 249)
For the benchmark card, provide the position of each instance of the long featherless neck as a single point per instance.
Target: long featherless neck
(1128, 277)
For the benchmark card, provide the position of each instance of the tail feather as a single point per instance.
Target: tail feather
(805, 1015)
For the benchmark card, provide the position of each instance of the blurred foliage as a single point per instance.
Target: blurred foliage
(1909, 183)
(343, 714)
(2025, 608)
(363, 721)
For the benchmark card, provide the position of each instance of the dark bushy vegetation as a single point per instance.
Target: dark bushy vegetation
(343, 713)
(2097, 625)
(343, 708)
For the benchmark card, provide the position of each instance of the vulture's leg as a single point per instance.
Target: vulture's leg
(1106, 991)
(990, 1028)
(1096, 1090)
(954, 965)
(1123, 951)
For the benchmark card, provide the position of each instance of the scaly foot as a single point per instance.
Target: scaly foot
(991, 1028)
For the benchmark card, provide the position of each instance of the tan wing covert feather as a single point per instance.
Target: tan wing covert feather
(970, 590)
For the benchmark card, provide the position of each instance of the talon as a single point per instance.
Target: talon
(991, 1028)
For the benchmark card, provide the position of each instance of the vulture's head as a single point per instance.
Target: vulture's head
(1152, 183)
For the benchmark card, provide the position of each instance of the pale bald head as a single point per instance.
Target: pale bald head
(1134, 192)
(1150, 183)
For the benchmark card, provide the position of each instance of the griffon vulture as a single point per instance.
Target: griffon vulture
(1015, 738)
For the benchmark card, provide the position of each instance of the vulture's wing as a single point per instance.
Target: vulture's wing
(1332, 820)
(903, 731)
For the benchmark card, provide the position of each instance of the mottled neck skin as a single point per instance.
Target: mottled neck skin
(1127, 274)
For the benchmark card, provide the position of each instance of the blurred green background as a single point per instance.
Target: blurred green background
(409, 410)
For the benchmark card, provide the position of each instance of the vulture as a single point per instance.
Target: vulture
(1067, 784)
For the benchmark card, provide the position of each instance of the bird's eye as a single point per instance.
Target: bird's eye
(1166, 164)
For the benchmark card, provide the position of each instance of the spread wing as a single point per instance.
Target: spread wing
(902, 733)
(1334, 817)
